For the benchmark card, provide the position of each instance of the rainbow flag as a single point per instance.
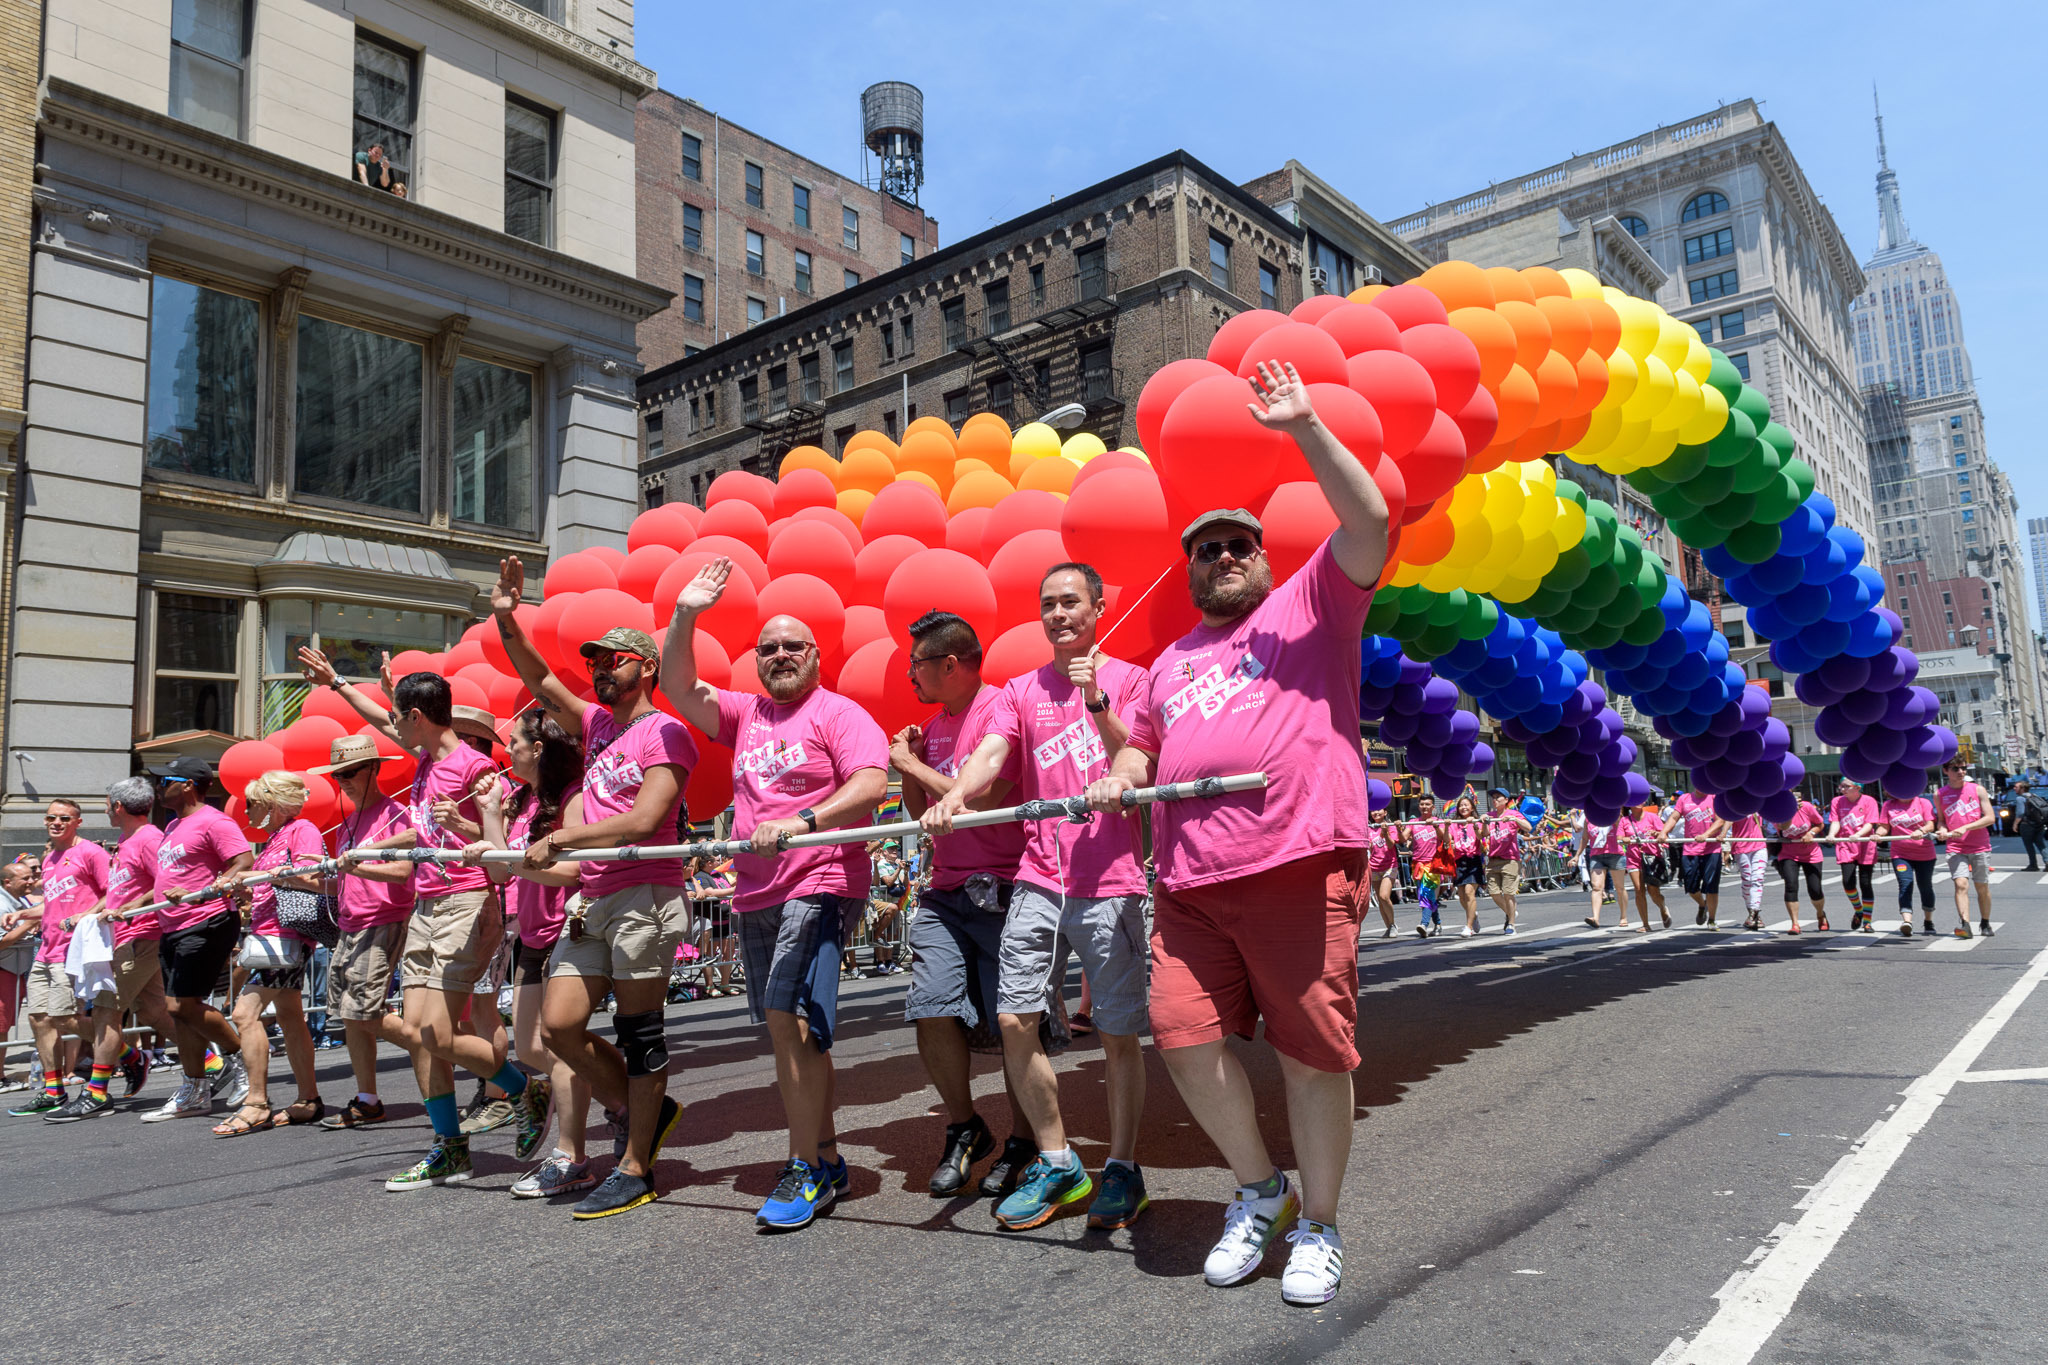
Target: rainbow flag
(890, 811)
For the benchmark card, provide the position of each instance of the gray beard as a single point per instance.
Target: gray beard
(1237, 599)
(788, 687)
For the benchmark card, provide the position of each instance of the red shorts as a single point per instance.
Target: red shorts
(1281, 945)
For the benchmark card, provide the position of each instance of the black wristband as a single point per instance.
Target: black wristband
(1099, 705)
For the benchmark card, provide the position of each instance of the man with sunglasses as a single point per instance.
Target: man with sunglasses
(803, 759)
(74, 881)
(1260, 893)
(201, 855)
(636, 763)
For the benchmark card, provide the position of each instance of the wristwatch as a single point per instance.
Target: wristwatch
(338, 683)
(1099, 705)
(810, 819)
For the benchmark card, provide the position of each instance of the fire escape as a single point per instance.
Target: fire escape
(1040, 344)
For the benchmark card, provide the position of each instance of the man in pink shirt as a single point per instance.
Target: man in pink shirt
(201, 854)
(1079, 887)
(1700, 855)
(1260, 893)
(803, 759)
(1963, 819)
(74, 881)
(1503, 831)
(1849, 814)
(636, 764)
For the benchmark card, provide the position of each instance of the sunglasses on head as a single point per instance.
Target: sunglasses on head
(775, 647)
(609, 659)
(1237, 547)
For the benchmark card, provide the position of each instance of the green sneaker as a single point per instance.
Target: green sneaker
(43, 1103)
(1121, 1199)
(532, 1110)
(446, 1164)
(1042, 1192)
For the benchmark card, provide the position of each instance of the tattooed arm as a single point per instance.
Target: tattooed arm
(555, 697)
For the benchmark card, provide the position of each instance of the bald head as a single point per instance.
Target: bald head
(787, 658)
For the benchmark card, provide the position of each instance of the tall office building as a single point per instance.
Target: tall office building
(2037, 550)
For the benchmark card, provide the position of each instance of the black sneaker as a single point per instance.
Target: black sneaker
(1984, 927)
(1008, 1168)
(80, 1106)
(618, 1193)
(1927, 925)
(1701, 917)
(134, 1071)
(43, 1103)
(966, 1143)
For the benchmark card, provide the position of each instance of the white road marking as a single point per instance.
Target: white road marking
(1755, 1310)
(2042, 882)
(2025, 1073)
(1952, 944)
(1998, 877)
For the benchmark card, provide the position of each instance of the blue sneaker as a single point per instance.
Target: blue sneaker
(1121, 1199)
(1043, 1191)
(800, 1195)
(835, 1171)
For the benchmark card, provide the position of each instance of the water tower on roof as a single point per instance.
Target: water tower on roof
(892, 127)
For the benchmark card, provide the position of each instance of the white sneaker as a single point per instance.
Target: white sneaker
(1467, 932)
(232, 1085)
(1315, 1268)
(557, 1175)
(192, 1099)
(1250, 1225)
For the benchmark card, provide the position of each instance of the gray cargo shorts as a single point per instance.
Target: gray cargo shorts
(1107, 932)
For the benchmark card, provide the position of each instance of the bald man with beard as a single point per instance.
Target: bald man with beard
(803, 759)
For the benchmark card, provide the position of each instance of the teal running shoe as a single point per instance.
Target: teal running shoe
(1120, 1200)
(1043, 1191)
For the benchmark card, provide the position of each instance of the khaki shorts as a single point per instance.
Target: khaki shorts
(49, 991)
(359, 977)
(1503, 876)
(630, 935)
(452, 941)
(136, 969)
(1977, 865)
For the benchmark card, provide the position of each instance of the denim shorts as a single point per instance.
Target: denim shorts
(1109, 934)
(791, 955)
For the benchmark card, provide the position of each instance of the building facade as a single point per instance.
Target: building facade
(1343, 247)
(20, 58)
(741, 229)
(332, 309)
(1075, 303)
(2037, 551)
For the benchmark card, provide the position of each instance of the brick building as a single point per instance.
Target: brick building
(20, 21)
(1074, 303)
(741, 229)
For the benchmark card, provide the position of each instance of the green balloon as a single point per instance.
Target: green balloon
(1449, 608)
(1571, 492)
(1684, 463)
(1599, 635)
(1724, 376)
(1601, 524)
(1597, 591)
(1572, 618)
(1699, 533)
(1649, 582)
(1732, 511)
(1674, 503)
(1416, 601)
(1481, 615)
(1758, 471)
(1754, 543)
(1572, 567)
(1801, 474)
(1733, 455)
(1711, 486)
(1780, 439)
(1752, 405)
(1628, 553)
(1385, 611)
(1649, 480)
(1645, 629)
(1776, 502)
(1735, 434)
(1436, 641)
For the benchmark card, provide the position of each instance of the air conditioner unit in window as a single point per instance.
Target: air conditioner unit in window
(1369, 274)
(1319, 277)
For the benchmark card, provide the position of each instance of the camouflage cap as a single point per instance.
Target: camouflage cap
(624, 639)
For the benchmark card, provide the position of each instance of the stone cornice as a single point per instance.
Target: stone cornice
(509, 17)
(75, 113)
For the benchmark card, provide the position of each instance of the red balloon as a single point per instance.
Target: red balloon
(1157, 396)
(1314, 353)
(940, 580)
(1018, 650)
(1030, 509)
(508, 696)
(864, 624)
(801, 488)
(395, 774)
(611, 558)
(463, 692)
(963, 532)
(743, 556)
(1318, 306)
(741, 520)
(323, 701)
(1106, 461)
(1227, 347)
(837, 520)
(1016, 571)
(323, 802)
(875, 563)
(541, 626)
(1117, 522)
(643, 570)
(1212, 451)
(876, 678)
(1478, 419)
(1451, 359)
(806, 547)
(673, 524)
(1410, 305)
(730, 622)
(413, 661)
(1436, 463)
(1351, 419)
(237, 810)
(709, 790)
(579, 572)
(246, 760)
(775, 528)
(1400, 391)
(1393, 485)
(305, 743)
(1297, 519)
(1359, 328)
(590, 616)
(809, 599)
(494, 643)
(736, 485)
(746, 674)
(714, 665)
(465, 653)
(909, 509)
(482, 675)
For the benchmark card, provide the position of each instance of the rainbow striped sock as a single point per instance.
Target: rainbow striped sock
(97, 1086)
(132, 1055)
(214, 1064)
(53, 1082)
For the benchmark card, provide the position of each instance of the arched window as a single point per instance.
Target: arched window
(1636, 226)
(1705, 204)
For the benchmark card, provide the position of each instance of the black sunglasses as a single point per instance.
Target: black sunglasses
(1237, 547)
(775, 647)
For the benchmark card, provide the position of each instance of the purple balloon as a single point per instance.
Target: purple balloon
(1781, 807)
(1904, 779)
(1570, 793)
(1414, 673)
(1440, 696)
(1791, 771)
(1726, 721)
(1482, 756)
(1434, 728)
(1703, 748)
(1662, 725)
(1865, 707)
(1603, 815)
(1756, 704)
(1843, 673)
(1398, 728)
(1726, 773)
(1809, 688)
(1928, 750)
(1777, 735)
(1901, 710)
(1517, 731)
(1373, 701)
(1861, 767)
(1424, 758)
(1580, 765)
(1464, 727)
(1887, 671)
(1446, 787)
(1950, 745)
(1378, 795)
(1407, 700)
(1456, 760)
(1610, 721)
(1883, 746)
(1638, 788)
(1832, 726)
(1746, 747)
(1615, 761)
(1761, 780)
(1908, 660)
(1609, 791)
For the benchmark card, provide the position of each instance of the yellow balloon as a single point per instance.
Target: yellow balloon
(1082, 447)
(1516, 588)
(1624, 372)
(1582, 285)
(1570, 527)
(1639, 324)
(1537, 474)
(1657, 448)
(1713, 416)
(1652, 394)
(1599, 435)
(1409, 574)
(1699, 362)
(1133, 450)
(1537, 515)
(1467, 498)
(1684, 406)
(1035, 439)
(1672, 339)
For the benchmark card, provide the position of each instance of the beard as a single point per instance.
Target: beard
(605, 688)
(785, 684)
(1233, 598)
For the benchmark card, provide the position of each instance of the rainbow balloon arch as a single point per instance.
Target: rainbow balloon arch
(1503, 579)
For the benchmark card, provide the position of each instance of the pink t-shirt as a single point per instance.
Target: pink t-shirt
(616, 759)
(1379, 847)
(1639, 836)
(1695, 816)
(1423, 840)
(1503, 837)
(1055, 740)
(1749, 834)
(1806, 818)
(787, 758)
(132, 881)
(1910, 816)
(366, 903)
(73, 883)
(1959, 806)
(1464, 838)
(439, 779)
(948, 741)
(1274, 692)
(297, 842)
(1854, 817)
(196, 848)
(540, 911)
(1602, 839)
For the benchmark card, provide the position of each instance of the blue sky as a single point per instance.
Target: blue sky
(1399, 106)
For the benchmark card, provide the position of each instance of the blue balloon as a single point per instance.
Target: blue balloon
(1791, 654)
(1495, 673)
(1803, 605)
(1662, 701)
(1826, 562)
(1868, 635)
(1506, 637)
(1871, 579)
(1824, 638)
(1717, 649)
(1708, 697)
(1782, 570)
(1384, 672)
(1848, 598)
(1674, 603)
(1737, 680)
(1649, 677)
(1690, 672)
(1691, 723)
(1622, 654)
(1559, 687)
(1524, 692)
(1667, 649)
(1802, 530)
(1697, 626)
(1851, 543)
(1743, 589)
(1770, 623)
(1574, 663)
(1724, 564)
(1464, 656)
(1823, 507)
(1543, 717)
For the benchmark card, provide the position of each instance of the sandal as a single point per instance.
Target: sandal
(1667, 916)
(300, 1112)
(235, 1125)
(1590, 920)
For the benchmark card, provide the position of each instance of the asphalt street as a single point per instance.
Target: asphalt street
(1572, 1145)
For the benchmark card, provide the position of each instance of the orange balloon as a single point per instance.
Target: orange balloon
(1536, 442)
(1427, 541)
(985, 419)
(1557, 384)
(808, 457)
(1460, 284)
(1490, 332)
(1532, 332)
(854, 503)
(917, 476)
(1605, 326)
(1490, 459)
(1518, 398)
(936, 425)
(1021, 460)
(1366, 293)
(867, 468)
(1509, 284)
(986, 437)
(927, 452)
(962, 467)
(1593, 379)
(1572, 430)
(1054, 475)
(1546, 283)
(1571, 331)
(978, 488)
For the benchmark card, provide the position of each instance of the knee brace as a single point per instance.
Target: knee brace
(642, 1042)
